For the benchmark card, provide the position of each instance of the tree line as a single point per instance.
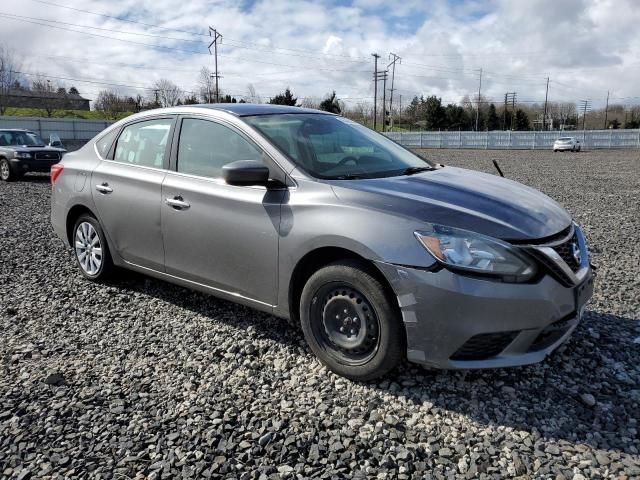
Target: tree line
(422, 113)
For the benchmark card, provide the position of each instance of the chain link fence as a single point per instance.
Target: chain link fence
(590, 139)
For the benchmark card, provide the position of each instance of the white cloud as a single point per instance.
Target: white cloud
(333, 45)
(585, 46)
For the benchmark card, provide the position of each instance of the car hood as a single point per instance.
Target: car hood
(461, 198)
(35, 148)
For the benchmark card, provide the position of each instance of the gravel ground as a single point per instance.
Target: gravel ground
(142, 379)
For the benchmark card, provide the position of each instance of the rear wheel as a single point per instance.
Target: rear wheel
(91, 249)
(350, 322)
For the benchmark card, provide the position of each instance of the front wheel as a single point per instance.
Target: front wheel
(91, 249)
(350, 321)
(7, 174)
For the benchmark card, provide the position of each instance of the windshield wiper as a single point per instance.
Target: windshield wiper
(349, 177)
(414, 170)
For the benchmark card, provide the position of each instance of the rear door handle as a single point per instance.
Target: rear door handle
(177, 202)
(104, 188)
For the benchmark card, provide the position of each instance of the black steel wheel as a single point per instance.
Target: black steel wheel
(345, 323)
(351, 321)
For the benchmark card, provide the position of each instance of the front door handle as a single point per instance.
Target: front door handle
(104, 188)
(177, 202)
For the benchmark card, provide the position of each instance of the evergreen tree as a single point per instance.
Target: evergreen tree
(521, 120)
(285, 98)
(493, 121)
(456, 118)
(434, 113)
(331, 104)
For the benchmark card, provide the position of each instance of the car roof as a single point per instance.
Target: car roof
(247, 109)
(15, 130)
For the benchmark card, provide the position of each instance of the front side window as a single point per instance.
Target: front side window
(332, 147)
(206, 146)
(144, 143)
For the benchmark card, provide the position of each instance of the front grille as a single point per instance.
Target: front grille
(552, 267)
(484, 345)
(552, 333)
(565, 250)
(47, 156)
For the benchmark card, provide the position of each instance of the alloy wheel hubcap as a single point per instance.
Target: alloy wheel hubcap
(88, 248)
(4, 170)
(349, 323)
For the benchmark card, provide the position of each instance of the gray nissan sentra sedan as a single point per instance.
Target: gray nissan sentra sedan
(377, 253)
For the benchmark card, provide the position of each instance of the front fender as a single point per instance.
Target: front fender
(313, 218)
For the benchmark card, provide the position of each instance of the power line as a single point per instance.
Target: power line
(120, 19)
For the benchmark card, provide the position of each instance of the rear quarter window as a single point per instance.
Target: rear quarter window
(103, 145)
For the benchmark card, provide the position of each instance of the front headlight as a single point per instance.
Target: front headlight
(22, 155)
(467, 251)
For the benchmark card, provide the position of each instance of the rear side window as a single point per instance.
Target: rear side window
(144, 143)
(205, 147)
(104, 144)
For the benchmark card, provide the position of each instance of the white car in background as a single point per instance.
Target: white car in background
(566, 143)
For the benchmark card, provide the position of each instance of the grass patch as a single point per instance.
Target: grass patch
(39, 112)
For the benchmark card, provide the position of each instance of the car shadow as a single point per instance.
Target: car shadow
(579, 393)
(35, 178)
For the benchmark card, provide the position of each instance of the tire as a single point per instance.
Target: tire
(7, 173)
(373, 341)
(87, 238)
(555, 151)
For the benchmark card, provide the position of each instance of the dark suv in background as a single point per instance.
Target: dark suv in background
(24, 151)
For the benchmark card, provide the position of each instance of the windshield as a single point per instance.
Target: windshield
(19, 139)
(331, 147)
(565, 139)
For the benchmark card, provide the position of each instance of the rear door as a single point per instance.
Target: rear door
(219, 235)
(127, 190)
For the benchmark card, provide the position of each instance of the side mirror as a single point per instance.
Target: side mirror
(245, 172)
(54, 141)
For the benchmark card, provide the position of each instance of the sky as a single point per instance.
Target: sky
(585, 47)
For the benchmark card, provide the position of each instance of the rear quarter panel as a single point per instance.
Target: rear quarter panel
(73, 187)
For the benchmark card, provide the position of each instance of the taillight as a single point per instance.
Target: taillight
(56, 170)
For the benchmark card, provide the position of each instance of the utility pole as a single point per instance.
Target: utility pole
(606, 111)
(400, 113)
(216, 36)
(584, 105)
(504, 112)
(478, 105)
(384, 100)
(396, 58)
(509, 97)
(375, 90)
(544, 117)
(156, 94)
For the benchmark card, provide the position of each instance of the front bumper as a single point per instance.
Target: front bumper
(563, 147)
(455, 321)
(24, 165)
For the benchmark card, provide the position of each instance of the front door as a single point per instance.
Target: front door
(127, 191)
(219, 235)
